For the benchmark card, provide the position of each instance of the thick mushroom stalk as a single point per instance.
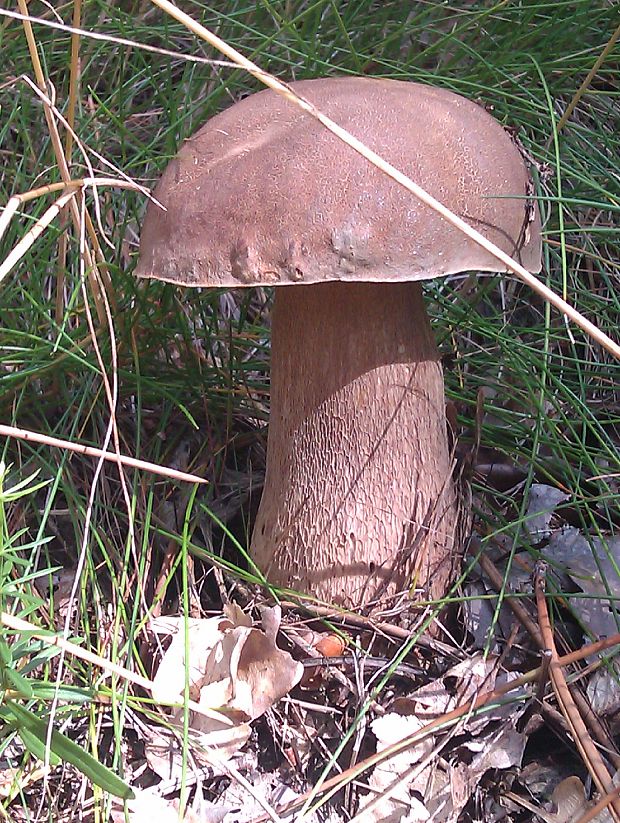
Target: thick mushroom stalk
(359, 500)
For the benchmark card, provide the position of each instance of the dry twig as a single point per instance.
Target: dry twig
(588, 751)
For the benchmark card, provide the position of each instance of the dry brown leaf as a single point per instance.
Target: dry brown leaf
(570, 804)
(445, 789)
(15, 780)
(399, 804)
(149, 806)
(203, 635)
(448, 792)
(542, 502)
(232, 667)
(603, 692)
(458, 685)
(592, 564)
(163, 749)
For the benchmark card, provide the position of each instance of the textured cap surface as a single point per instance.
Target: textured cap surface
(264, 194)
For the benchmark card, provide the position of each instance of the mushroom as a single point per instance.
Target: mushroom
(359, 501)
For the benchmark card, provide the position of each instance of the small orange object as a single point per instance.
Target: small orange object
(330, 645)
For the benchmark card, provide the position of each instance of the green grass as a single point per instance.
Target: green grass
(192, 366)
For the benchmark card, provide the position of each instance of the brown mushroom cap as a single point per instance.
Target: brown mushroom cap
(263, 194)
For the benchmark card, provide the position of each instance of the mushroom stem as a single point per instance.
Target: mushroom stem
(359, 500)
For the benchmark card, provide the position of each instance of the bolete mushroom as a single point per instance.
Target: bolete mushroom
(359, 500)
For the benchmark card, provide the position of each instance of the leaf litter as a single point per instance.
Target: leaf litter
(285, 713)
(230, 667)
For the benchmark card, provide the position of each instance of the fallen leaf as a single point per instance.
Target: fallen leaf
(570, 805)
(15, 780)
(449, 791)
(542, 502)
(603, 692)
(398, 803)
(456, 686)
(591, 564)
(233, 668)
(148, 805)
(203, 635)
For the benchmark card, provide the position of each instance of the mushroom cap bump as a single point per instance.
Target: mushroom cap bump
(263, 194)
